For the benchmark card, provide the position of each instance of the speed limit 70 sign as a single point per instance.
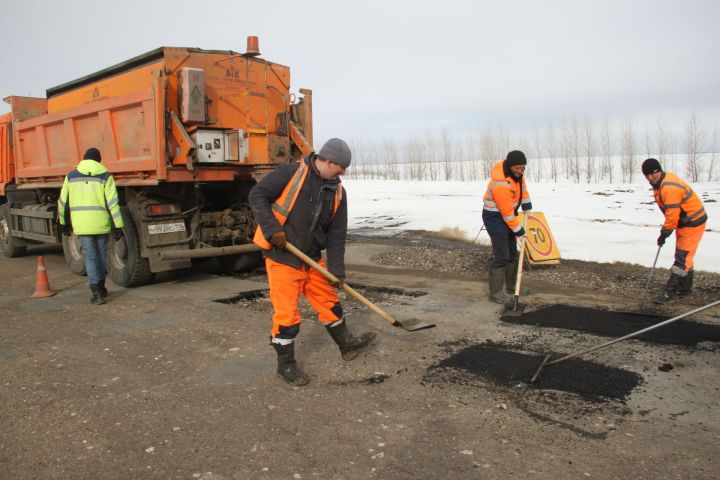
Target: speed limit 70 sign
(540, 245)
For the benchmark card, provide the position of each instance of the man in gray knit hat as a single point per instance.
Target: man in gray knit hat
(305, 203)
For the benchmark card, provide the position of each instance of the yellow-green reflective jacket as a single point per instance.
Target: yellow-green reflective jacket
(90, 196)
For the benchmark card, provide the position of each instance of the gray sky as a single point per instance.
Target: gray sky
(388, 70)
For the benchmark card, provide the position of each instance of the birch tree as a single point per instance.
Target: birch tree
(472, 150)
(693, 148)
(552, 151)
(713, 153)
(661, 134)
(489, 155)
(589, 140)
(627, 144)
(536, 168)
(446, 155)
(606, 147)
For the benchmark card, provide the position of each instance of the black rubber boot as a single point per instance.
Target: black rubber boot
(97, 298)
(349, 344)
(103, 291)
(687, 283)
(496, 278)
(672, 289)
(287, 368)
(511, 270)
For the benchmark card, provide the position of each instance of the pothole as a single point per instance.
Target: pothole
(373, 293)
(371, 380)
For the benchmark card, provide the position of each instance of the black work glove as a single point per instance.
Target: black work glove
(527, 207)
(520, 233)
(279, 239)
(117, 233)
(65, 229)
(340, 282)
(663, 235)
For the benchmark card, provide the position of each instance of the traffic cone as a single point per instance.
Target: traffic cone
(42, 286)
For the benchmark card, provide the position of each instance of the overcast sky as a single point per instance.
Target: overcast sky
(392, 69)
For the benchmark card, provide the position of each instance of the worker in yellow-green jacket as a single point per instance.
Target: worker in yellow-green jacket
(90, 208)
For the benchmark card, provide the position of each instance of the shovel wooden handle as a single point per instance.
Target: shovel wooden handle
(520, 260)
(520, 267)
(347, 288)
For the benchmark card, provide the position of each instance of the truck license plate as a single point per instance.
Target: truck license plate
(166, 228)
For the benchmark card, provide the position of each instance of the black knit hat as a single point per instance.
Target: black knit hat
(651, 165)
(92, 154)
(516, 157)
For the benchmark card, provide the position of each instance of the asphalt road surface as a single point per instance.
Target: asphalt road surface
(176, 380)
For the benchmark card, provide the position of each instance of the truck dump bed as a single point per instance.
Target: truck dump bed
(170, 115)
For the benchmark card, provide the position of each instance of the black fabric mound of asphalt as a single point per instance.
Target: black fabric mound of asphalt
(498, 364)
(618, 324)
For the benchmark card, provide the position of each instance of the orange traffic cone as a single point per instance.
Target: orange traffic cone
(42, 286)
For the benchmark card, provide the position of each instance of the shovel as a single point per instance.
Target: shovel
(647, 285)
(546, 361)
(517, 309)
(411, 325)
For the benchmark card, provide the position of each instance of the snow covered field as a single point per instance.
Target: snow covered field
(598, 222)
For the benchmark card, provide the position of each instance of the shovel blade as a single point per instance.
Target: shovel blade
(413, 325)
(514, 310)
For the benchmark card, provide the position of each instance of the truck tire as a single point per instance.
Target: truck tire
(73, 254)
(244, 262)
(126, 266)
(9, 244)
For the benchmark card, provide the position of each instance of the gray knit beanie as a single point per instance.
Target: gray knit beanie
(337, 151)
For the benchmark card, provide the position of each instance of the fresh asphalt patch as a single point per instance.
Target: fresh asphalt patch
(502, 366)
(610, 323)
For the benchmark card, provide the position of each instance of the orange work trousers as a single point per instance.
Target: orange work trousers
(687, 240)
(286, 285)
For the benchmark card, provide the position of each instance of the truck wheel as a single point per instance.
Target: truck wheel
(8, 243)
(125, 265)
(72, 249)
(244, 262)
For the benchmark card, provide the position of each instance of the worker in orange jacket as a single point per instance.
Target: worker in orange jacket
(506, 193)
(685, 214)
(305, 203)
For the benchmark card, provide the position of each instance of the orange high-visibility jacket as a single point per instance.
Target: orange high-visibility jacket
(503, 196)
(286, 201)
(679, 203)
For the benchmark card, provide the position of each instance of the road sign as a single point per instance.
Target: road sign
(541, 247)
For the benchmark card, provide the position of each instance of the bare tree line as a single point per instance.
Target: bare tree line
(576, 151)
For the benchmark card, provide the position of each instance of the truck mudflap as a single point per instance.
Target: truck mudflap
(166, 234)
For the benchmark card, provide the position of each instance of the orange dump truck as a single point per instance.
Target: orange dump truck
(185, 132)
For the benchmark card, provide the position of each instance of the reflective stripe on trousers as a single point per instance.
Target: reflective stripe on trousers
(686, 245)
